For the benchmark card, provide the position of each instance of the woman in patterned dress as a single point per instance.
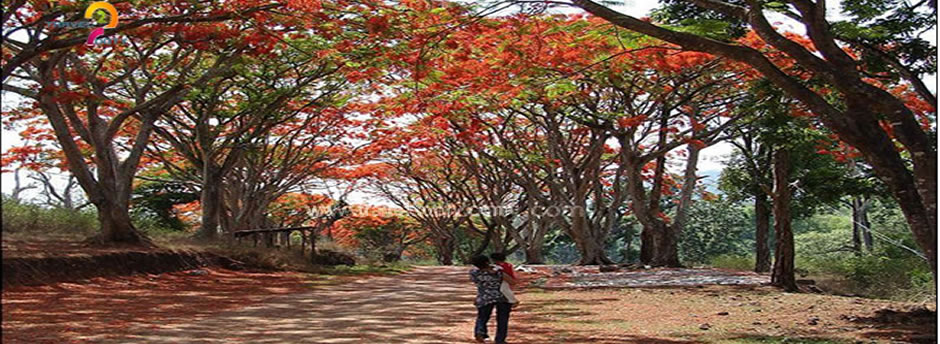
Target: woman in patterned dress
(488, 282)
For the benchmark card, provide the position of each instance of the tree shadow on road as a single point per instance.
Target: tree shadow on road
(396, 309)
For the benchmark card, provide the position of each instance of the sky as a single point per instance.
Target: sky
(710, 164)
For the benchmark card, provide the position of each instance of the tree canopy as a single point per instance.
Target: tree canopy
(500, 126)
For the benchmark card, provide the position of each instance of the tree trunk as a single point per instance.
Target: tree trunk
(392, 256)
(667, 251)
(589, 246)
(445, 250)
(783, 275)
(17, 187)
(592, 253)
(534, 247)
(648, 240)
(762, 248)
(486, 243)
(659, 245)
(533, 243)
(919, 212)
(116, 225)
(866, 226)
(860, 215)
(856, 228)
(534, 255)
(211, 201)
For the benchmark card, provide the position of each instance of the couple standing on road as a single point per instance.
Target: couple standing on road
(493, 291)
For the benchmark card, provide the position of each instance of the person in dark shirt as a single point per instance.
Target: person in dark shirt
(488, 282)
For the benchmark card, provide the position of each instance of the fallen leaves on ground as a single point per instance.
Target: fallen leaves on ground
(59, 312)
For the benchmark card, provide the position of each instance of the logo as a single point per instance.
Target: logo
(95, 36)
(90, 12)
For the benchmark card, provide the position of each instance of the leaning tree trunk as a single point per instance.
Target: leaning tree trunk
(667, 248)
(109, 191)
(783, 274)
(659, 241)
(761, 246)
(487, 237)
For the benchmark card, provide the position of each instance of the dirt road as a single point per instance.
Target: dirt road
(434, 305)
(425, 305)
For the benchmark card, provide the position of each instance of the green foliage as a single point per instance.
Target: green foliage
(826, 222)
(38, 221)
(561, 87)
(892, 26)
(716, 228)
(19, 217)
(895, 26)
(721, 235)
(876, 274)
(560, 249)
(819, 179)
(685, 16)
(153, 204)
(626, 231)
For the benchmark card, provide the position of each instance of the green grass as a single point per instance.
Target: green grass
(27, 219)
(370, 269)
(329, 276)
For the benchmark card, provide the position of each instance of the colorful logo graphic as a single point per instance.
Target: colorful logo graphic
(90, 12)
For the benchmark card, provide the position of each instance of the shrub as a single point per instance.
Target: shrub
(890, 277)
(733, 262)
(824, 250)
(156, 227)
(332, 258)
